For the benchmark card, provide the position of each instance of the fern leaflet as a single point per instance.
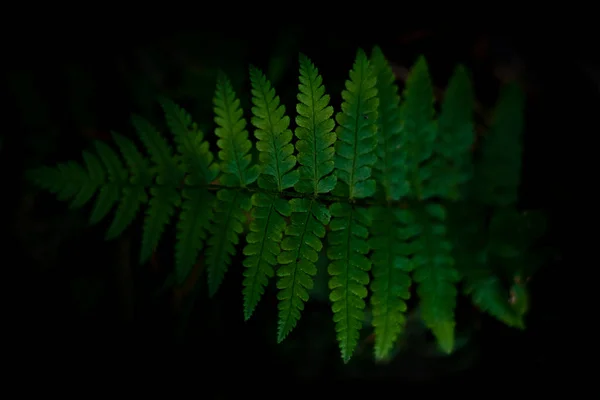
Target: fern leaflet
(391, 267)
(355, 157)
(276, 162)
(229, 216)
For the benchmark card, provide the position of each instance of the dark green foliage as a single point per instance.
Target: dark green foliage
(395, 190)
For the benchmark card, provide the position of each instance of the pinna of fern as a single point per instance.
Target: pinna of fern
(412, 167)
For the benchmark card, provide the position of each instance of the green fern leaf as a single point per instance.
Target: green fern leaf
(349, 270)
(227, 225)
(499, 170)
(237, 172)
(490, 296)
(355, 157)
(194, 219)
(276, 163)
(470, 249)
(356, 131)
(302, 241)
(133, 194)
(391, 266)
(301, 247)
(233, 137)
(273, 135)
(452, 165)
(197, 205)
(419, 131)
(391, 157)
(314, 132)
(194, 150)
(262, 248)
(167, 170)
(434, 271)
(391, 280)
(163, 198)
(110, 193)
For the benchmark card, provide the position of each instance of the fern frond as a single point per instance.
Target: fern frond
(349, 270)
(391, 280)
(391, 266)
(108, 179)
(419, 130)
(133, 194)
(498, 172)
(194, 150)
(229, 216)
(233, 137)
(391, 156)
(434, 271)
(301, 247)
(302, 241)
(273, 135)
(262, 248)
(110, 193)
(227, 225)
(314, 132)
(355, 157)
(196, 201)
(163, 198)
(452, 166)
(356, 131)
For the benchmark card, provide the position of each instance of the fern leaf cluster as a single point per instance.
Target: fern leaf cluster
(385, 188)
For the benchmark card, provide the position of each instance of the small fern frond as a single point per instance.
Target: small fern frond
(349, 270)
(227, 225)
(194, 150)
(159, 150)
(233, 137)
(490, 296)
(455, 139)
(273, 134)
(391, 280)
(133, 194)
(235, 162)
(302, 242)
(301, 247)
(471, 244)
(391, 157)
(391, 267)
(434, 271)
(355, 157)
(356, 131)
(262, 248)
(110, 193)
(314, 132)
(163, 198)
(498, 173)
(196, 201)
(419, 131)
